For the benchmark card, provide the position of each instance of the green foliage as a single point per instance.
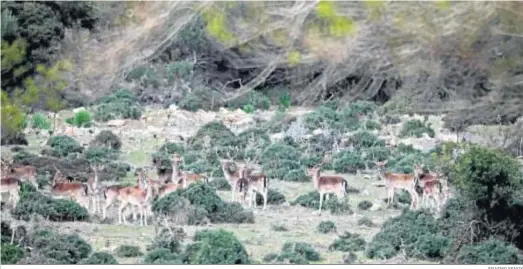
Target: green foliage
(179, 70)
(221, 184)
(365, 221)
(108, 139)
(249, 109)
(63, 145)
(303, 249)
(370, 125)
(162, 256)
(348, 242)
(326, 226)
(404, 232)
(32, 202)
(13, 119)
(490, 252)
(80, 119)
(11, 254)
(430, 246)
(274, 197)
(278, 159)
(40, 121)
(347, 161)
(416, 128)
(99, 258)
(279, 228)
(216, 247)
(121, 104)
(364, 205)
(191, 102)
(127, 251)
(168, 238)
(284, 101)
(312, 200)
(59, 248)
(100, 155)
(365, 139)
(255, 100)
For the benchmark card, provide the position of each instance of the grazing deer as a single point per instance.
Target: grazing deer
(396, 181)
(431, 185)
(23, 173)
(11, 186)
(139, 196)
(94, 188)
(328, 184)
(75, 190)
(184, 178)
(258, 182)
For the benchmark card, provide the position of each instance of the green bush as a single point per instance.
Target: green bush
(284, 101)
(127, 251)
(365, 139)
(101, 155)
(278, 159)
(370, 125)
(108, 139)
(63, 145)
(304, 249)
(162, 256)
(365, 221)
(80, 119)
(347, 161)
(120, 104)
(295, 175)
(216, 247)
(52, 209)
(361, 108)
(312, 200)
(348, 242)
(490, 252)
(99, 258)
(279, 228)
(192, 102)
(221, 184)
(416, 128)
(60, 249)
(168, 238)
(274, 197)
(364, 205)
(40, 121)
(11, 254)
(326, 227)
(430, 246)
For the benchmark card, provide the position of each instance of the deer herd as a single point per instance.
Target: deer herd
(245, 179)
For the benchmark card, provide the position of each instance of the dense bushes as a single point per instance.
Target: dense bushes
(99, 258)
(80, 119)
(198, 204)
(312, 200)
(326, 227)
(216, 247)
(348, 242)
(416, 128)
(63, 145)
(107, 139)
(54, 248)
(294, 253)
(128, 251)
(274, 197)
(120, 104)
(490, 252)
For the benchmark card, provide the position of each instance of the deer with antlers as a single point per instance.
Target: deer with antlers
(431, 185)
(328, 184)
(258, 182)
(395, 181)
(61, 188)
(26, 173)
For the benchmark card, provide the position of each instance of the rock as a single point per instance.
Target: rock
(317, 132)
(277, 137)
(116, 123)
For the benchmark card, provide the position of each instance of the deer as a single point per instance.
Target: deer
(258, 182)
(26, 173)
(60, 188)
(328, 184)
(182, 177)
(431, 185)
(396, 181)
(242, 186)
(139, 196)
(11, 186)
(94, 187)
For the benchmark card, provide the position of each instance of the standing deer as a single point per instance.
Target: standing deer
(182, 177)
(431, 185)
(328, 184)
(396, 181)
(94, 188)
(23, 173)
(232, 177)
(74, 190)
(258, 182)
(136, 196)
(11, 186)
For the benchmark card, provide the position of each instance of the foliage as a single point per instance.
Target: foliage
(162, 256)
(40, 121)
(12, 119)
(52, 209)
(348, 242)
(364, 205)
(431, 246)
(99, 258)
(221, 184)
(416, 128)
(304, 249)
(63, 145)
(274, 197)
(80, 119)
(127, 251)
(122, 104)
(490, 252)
(326, 226)
(279, 228)
(108, 139)
(216, 247)
(312, 200)
(100, 155)
(365, 221)
(57, 248)
(347, 161)
(11, 254)
(278, 159)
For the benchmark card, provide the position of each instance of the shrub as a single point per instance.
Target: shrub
(326, 227)
(323, 116)
(348, 242)
(108, 139)
(365, 221)
(40, 121)
(279, 228)
(162, 256)
(216, 247)
(221, 184)
(60, 249)
(430, 246)
(120, 104)
(365, 139)
(295, 175)
(361, 108)
(278, 159)
(101, 155)
(63, 145)
(347, 161)
(489, 252)
(364, 205)
(349, 258)
(284, 101)
(192, 102)
(128, 251)
(274, 197)
(304, 249)
(80, 119)
(370, 125)
(11, 254)
(168, 238)
(416, 128)
(312, 200)
(402, 231)
(99, 258)
(52, 209)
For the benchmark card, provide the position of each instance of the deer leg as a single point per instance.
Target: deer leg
(321, 201)
(233, 191)
(265, 195)
(120, 213)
